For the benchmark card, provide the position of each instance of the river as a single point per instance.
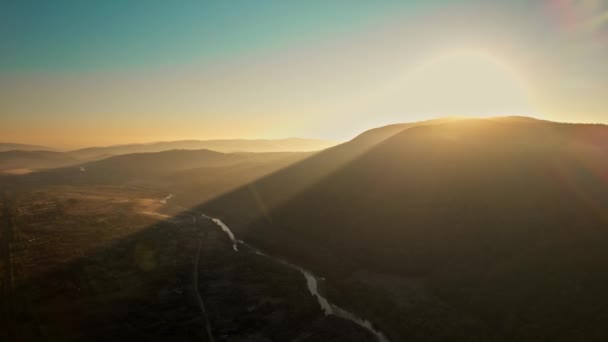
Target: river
(312, 282)
(168, 197)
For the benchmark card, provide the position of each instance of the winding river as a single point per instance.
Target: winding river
(312, 283)
(168, 197)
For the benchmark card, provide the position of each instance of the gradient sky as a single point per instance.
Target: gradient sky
(83, 72)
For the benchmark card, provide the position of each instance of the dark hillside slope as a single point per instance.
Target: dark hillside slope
(192, 175)
(260, 197)
(504, 218)
(434, 184)
(118, 169)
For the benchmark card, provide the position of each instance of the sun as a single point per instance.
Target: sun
(466, 84)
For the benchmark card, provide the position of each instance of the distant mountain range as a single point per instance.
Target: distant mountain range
(227, 146)
(24, 158)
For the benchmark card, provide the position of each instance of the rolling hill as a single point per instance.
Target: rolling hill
(19, 161)
(226, 146)
(22, 147)
(192, 174)
(500, 223)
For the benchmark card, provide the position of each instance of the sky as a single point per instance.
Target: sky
(77, 73)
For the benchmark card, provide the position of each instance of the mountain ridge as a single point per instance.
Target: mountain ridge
(474, 207)
(220, 145)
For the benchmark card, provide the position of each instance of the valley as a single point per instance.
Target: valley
(364, 241)
(159, 272)
(304, 171)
